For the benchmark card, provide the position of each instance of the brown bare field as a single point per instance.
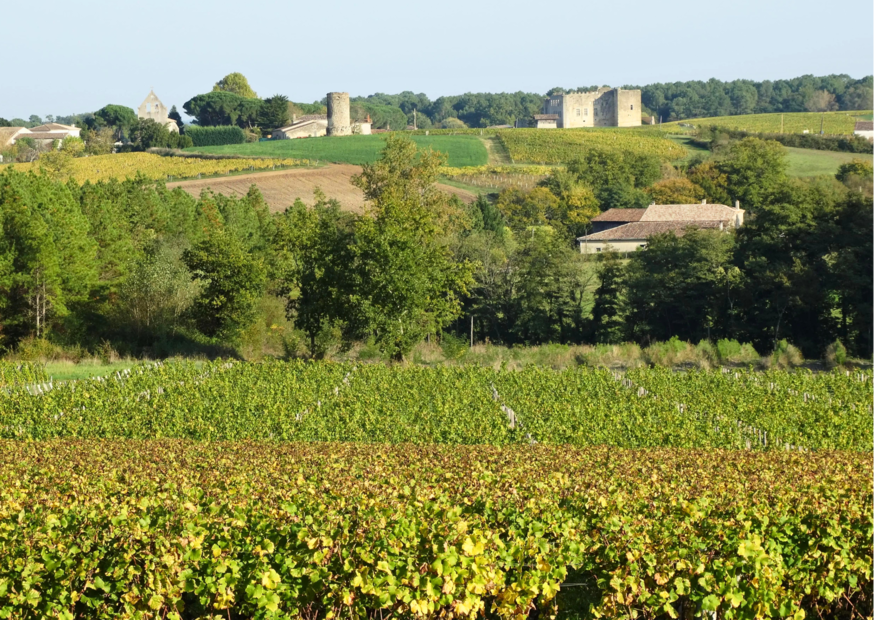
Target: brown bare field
(281, 187)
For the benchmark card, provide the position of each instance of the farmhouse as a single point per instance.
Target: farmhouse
(864, 129)
(52, 131)
(153, 109)
(605, 107)
(308, 126)
(626, 230)
(335, 123)
(8, 135)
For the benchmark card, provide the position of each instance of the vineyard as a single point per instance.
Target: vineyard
(332, 490)
(561, 146)
(833, 123)
(175, 529)
(300, 401)
(498, 177)
(128, 165)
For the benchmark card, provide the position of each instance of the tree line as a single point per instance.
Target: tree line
(156, 271)
(233, 102)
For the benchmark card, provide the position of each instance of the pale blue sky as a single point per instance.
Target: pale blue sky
(63, 57)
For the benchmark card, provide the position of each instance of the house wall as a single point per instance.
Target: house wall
(546, 124)
(595, 247)
(865, 134)
(312, 129)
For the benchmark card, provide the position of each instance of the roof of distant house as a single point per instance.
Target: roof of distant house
(692, 212)
(53, 127)
(620, 215)
(546, 117)
(864, 126)
(7, 134)
(310, 117)
(644, 230)
(299, 123)
(46, 135)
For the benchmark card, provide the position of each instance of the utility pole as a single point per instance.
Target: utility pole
(821, 123)
(415, 126)
(781, 123)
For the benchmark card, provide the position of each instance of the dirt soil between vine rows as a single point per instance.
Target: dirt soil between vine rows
(281, 187)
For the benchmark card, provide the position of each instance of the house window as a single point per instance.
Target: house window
(597, 249)
(632, 106)
(642, 245)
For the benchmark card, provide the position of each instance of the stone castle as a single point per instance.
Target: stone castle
(605, 107)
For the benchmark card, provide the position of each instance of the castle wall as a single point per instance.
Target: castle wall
(339, 123)
(606, 107)
(628, 108)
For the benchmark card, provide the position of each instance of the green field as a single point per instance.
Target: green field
(460, 150)
(793, 122)
(809, 162)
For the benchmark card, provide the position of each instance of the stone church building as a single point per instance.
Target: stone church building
(605, 107)
(152, 108)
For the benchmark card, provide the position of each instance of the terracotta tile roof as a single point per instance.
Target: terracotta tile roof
(644, 230)
(546, 117)
(46, 135)
(53, 127)
(620, 215)
(7, 134)
(864, 126)
(683, 213)
(299, 123)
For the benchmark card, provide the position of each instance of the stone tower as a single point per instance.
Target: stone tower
(338, 115)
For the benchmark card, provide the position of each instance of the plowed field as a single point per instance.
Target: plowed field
(282, 187)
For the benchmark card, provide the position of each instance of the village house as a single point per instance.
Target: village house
(627, 230)
(314, 126)
(8, 135)
(864, 129)
(49, 132)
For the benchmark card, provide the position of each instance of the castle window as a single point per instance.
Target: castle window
(632, 106)
(586, 112)
(578, 111)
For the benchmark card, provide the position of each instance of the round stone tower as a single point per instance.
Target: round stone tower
(338, 115)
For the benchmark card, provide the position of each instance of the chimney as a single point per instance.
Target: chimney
(737, 204)
(704, 202)
(720, 225)
(293, 116)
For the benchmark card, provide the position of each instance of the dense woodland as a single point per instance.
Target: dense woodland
(146, 270)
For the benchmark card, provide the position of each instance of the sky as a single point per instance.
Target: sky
(89, 53)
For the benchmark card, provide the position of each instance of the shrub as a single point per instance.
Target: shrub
(453, 347)
(836, 354)
(215, 136)
(786, 355)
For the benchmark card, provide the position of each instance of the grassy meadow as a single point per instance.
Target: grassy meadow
(460, 150)
(810, 163)
(834, 123)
